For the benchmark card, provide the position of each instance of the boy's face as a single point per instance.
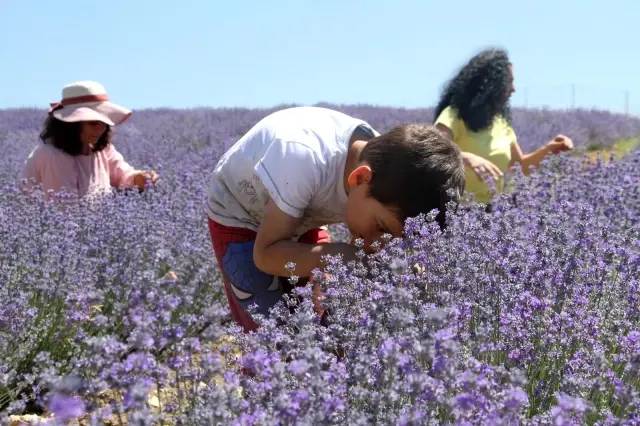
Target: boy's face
(366, 217)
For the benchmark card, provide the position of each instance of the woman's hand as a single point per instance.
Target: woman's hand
(559, 144)
(140, 179)
(481, 167)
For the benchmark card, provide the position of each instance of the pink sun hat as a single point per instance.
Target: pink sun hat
(88, 101)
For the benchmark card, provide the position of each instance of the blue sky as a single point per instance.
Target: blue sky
(255, 53)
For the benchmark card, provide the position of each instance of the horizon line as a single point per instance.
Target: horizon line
(326, 105)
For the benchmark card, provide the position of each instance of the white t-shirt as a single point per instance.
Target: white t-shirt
(296, 157)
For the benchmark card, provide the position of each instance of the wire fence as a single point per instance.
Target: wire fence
(577, 96)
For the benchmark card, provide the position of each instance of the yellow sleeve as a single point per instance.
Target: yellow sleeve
(449, 118)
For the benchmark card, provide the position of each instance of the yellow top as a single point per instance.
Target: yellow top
(493, 144)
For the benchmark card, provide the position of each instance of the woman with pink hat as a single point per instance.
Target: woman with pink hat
(76, 154)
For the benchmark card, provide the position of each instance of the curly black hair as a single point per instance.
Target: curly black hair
(480, 90)
(66, 136)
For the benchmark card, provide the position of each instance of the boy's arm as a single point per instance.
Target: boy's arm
(274, 246)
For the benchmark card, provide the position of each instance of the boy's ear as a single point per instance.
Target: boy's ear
(359, 175)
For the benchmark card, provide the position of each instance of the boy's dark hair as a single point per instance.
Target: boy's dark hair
(66, 136)
(413, 166)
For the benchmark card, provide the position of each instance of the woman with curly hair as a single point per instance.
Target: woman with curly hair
(474, 112)
(76, 154)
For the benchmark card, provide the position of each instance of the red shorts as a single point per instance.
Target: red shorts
(244, 283)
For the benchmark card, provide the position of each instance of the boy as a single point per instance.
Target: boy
(301, 168)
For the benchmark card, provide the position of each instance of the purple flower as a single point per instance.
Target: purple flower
(66, 408)
(525, 315)
(299, 367)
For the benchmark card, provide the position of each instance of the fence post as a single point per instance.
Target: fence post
(573, 96)
(626, 102)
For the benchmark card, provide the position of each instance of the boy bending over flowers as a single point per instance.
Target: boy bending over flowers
(301, 168)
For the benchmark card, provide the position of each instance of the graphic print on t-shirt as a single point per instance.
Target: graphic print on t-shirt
(247, 190)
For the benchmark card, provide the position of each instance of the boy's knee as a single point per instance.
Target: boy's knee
(315, 236)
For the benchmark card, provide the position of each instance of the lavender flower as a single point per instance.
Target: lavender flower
(66, 408)
(113, 310)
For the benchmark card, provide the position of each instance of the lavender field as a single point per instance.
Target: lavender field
(113, 312)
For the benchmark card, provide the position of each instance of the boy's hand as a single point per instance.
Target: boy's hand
(349, 253)
(274, 246)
